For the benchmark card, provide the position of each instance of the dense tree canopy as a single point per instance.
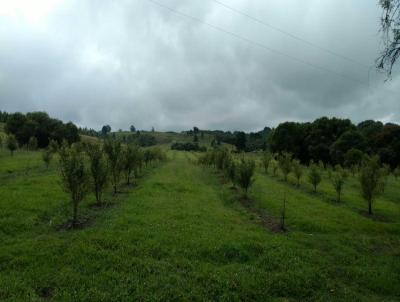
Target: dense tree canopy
(337, 141)
(40, 126)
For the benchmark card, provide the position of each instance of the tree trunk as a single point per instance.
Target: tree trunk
(370, 207)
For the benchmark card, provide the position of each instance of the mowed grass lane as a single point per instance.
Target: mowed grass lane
(178, 235)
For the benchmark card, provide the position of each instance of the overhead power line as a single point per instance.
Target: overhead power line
(255, 43)
(321, 48)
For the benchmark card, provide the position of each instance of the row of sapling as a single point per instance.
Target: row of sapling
(239, 172)
(372, 175)
(91, 167)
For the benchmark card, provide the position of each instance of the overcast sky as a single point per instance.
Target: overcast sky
(135, 62)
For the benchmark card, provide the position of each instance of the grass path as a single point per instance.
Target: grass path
(177, 236)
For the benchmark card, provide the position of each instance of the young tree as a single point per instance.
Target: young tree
(32, 143)
(113, 150)
(74, 177)
(130, 159)
(98, 170)
(12, 144)
(245, 173)
(371, 180)
(285, 164)
(274, 166)
(132, 128)
(338, 178)
(47, 156)
(314, 176)
(266, 160)
(297, 170)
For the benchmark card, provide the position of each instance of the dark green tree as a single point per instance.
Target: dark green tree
(240, 141)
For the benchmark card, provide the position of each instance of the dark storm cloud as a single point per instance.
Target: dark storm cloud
(124, 62)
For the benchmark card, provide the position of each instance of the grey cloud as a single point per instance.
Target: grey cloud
(98, 62)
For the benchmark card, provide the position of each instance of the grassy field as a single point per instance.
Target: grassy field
(182, 234)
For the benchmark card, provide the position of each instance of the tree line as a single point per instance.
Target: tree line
(338, 141)
(37, 129)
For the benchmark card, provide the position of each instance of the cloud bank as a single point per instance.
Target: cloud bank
(136, 62)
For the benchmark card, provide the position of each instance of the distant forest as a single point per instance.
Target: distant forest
(328, 140)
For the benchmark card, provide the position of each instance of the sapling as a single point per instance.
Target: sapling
(338, 178)
(285, 164)
(113, 151)
(245, 173)
(74, 177)
(98, 170)
(314, 176)
(12, 144)
(371, 180)
(297, 171)
(266, 160)
(130, 155)
(274, 166)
